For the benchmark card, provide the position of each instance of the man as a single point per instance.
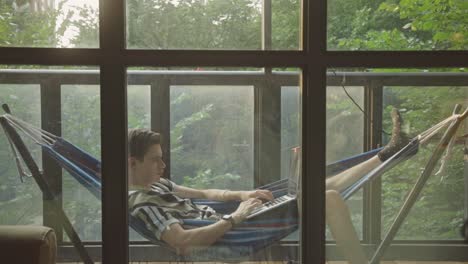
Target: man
(166, 204)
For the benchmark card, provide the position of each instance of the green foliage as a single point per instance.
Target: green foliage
(442, 197)
(86, 24)
(208, 134)
(206, 180)
(438, 213)
(286, 26)
(344, 123)
(211, 24)
(444, 20)
(398, 25)
(19, 27)
(20, 203)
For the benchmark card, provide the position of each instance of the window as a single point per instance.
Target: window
(48, 106)
(424, 98)
(309, 37)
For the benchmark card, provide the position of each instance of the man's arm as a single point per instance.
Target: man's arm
(186, 240)
(222, 195)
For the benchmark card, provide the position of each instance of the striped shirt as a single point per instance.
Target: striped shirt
(159, 207)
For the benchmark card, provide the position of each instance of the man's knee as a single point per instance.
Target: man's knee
(334, 200)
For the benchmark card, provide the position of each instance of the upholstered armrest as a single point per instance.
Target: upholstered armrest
(27, 244)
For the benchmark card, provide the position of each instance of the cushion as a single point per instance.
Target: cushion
(27, 244)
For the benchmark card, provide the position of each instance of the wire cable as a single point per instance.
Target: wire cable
(366, 117)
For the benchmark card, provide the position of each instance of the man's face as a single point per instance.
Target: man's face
(152, 166)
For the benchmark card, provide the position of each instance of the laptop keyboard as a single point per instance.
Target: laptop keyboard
(271, 204)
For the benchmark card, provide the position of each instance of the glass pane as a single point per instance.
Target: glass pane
(397, 25)
(345, 137)
(20, 202)
(49, 23)
(81, 125)
(212, 136)
(434, 210)
(207, 148)
(57, 114)
(285, 24)
(291, 105)
(290, 124)
(212, 24)
(442, 199)
(139, 103)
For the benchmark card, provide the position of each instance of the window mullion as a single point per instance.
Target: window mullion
(51, 122)
(266, 25)
(314, 36)
(114, 132)
(160, 117)
(373, 139)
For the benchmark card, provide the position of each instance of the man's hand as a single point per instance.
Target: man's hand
(263, 195)
(244, 209)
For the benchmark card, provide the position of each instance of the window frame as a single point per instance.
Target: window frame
(112, 59)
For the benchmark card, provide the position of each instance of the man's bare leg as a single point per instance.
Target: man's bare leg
(348, 177)
(342, 229)
(337, 213)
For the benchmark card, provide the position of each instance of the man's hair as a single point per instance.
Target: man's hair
(140, 140)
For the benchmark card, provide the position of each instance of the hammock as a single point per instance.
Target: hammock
(244, 240)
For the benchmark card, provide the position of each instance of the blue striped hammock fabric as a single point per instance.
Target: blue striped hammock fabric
(246, 238)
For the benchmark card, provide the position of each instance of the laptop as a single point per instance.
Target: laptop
(293, 186)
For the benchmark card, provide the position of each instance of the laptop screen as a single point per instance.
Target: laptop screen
(294, 171)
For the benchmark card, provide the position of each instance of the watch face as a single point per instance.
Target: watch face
(227, 217)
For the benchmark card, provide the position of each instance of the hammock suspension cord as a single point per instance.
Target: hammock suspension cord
(401, 155)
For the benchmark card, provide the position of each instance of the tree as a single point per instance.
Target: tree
(399, 25)
(211, 24)
(22, 28)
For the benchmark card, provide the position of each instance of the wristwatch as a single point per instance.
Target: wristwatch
(229, 218)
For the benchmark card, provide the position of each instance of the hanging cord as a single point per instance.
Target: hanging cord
(42, 132)
(19, 165)
(445, 158)
(39, 136)
(448, 152)
(366, 117)
(426, 135)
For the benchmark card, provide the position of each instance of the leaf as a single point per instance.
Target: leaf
(407, 25)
